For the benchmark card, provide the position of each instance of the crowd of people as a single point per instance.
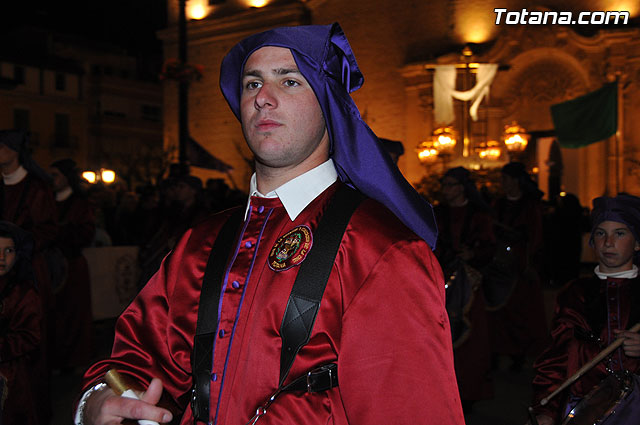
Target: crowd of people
(495, 257)
(47, 217)
(229, 320)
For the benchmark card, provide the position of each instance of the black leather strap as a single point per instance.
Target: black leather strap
(208, 315)
(321, 379)
(302, 306)
(311, 281)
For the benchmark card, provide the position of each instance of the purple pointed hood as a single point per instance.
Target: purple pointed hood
(324, 57)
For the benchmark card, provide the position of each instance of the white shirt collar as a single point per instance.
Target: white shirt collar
(297, 193)
(626, 274)
(15, 177)
(64, 194)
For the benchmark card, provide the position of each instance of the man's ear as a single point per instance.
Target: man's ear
(637, 246)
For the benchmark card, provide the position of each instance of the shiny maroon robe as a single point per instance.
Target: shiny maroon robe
(471, 227)
(73, 316)
(30, 204)
(20, 333)
(382, 319)
(584, 304)
(520, 326)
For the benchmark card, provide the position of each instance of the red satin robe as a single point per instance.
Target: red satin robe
(471, 227)
(610, 302)
(20, 319)
(74, 341)
(520, 327)
(30, 204)
(382, 319)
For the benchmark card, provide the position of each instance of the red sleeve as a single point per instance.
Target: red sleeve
(558, 359)
(482, 240)
(42, 209)
(22, 334)
(396, 344)
(78, 228)
(163, 348)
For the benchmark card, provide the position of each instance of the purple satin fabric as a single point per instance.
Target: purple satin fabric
(325, 58)
(622, 209)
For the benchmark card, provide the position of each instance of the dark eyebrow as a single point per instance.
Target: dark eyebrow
(615, 230)
(277, 71)
(285, 71)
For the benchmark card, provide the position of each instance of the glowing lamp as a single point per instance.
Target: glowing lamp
(107, 176)
(444, 139)
(89, 176)
(515, 137)
(197, 11)
(427, 153)
(489, 150)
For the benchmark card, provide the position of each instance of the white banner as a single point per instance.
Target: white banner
(114, 275)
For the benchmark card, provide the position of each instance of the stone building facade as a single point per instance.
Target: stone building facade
(396, 43)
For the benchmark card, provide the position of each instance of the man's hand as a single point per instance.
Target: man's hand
(631, 344)
(106, 408)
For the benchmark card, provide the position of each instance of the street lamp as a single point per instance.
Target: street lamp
(105, 175)
(89, 176)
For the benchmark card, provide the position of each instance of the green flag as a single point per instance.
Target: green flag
(587, 119)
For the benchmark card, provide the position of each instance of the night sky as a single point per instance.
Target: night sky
(130, 24)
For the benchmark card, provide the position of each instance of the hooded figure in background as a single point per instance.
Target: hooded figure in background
(73, 316)
(513, 287)
(466, 244)
(26, 200)
(380, 345)
(20, 327)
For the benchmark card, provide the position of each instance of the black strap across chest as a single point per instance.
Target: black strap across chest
(302, 306)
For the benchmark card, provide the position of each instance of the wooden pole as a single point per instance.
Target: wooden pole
(620, 134)
(584, 369)
(183, 89)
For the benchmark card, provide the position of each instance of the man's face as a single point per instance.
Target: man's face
(7, 255)
(452, 190)
(7, 155)
(615, 246)
(281, 117)
(59, 180)
(510, 185)
(184, 193)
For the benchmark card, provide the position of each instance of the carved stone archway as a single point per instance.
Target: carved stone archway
(548, 65)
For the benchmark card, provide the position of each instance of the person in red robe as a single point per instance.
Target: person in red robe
(20, 327)
(182, 210)
(517, 322)
(465, 245)
(73, 317)
(26, 199)
(591, 312)
(382, 319)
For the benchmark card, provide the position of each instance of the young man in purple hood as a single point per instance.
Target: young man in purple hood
(381, 341)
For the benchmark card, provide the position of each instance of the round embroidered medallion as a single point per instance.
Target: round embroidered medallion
(290, 249)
